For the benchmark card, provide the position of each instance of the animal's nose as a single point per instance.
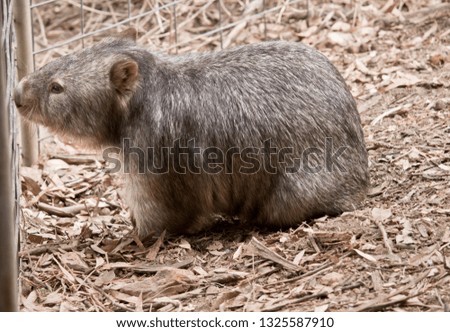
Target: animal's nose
(18, 93)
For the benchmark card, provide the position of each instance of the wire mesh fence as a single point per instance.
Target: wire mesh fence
(62, 26)
(9, 183)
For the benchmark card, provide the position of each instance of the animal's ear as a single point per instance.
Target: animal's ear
(130, 33)
(124, 76)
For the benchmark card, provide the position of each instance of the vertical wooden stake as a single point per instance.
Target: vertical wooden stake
(24, 51)
(8, 241)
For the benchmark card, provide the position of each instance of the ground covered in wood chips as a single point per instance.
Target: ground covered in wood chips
(78, 252)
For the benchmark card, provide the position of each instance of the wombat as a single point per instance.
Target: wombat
(266, 132)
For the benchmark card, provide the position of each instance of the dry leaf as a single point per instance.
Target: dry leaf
(423, 256)
(154, 249)
(184, 244)
(446, 235)
(125, 297)
(332, 279)
(321, 308)
(105, 278)
(342, 39)
(298, 257)
(375, 191)
(31, 172)
(200, 271)
(405, 236)
(166, 282)
(225, 297)
(31, 185)
(255, 247)
(54, 165)
(53, 298)
(238, 251)
(366, 256)
(403, 79)
(74, 261)
(341, 26)
(215, 245)
(218, 253)
(381, 214)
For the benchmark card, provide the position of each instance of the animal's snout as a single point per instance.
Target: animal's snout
(19, 93)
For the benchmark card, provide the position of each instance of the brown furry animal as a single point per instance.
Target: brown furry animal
(268, 132)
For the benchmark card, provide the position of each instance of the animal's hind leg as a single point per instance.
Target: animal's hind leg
(291, 203)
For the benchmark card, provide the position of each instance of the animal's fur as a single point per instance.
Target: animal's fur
(239, 98)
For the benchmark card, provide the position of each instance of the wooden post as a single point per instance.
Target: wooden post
(8, 240)
(25, 65)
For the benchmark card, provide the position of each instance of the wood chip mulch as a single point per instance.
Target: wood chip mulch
(79, 253)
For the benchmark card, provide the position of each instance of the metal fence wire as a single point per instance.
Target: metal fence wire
(9, 180)
(60, 26)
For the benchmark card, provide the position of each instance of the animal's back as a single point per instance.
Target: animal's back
(283, 94)
(247, 92)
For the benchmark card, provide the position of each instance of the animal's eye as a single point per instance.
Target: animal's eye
(55, 88)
